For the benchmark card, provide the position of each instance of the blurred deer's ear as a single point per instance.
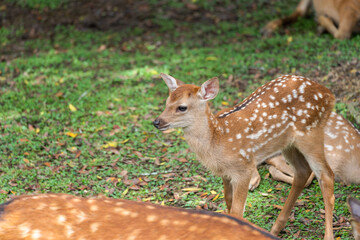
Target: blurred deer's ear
(171, 82)
(209, 89)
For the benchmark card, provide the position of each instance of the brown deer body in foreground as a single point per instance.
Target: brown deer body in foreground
(342, 152)
(287, 114)
(343, 13)
(62, 217)
(354, 207)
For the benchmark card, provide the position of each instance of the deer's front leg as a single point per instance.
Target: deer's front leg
(228, 192)
(240, 185)
(327, 24)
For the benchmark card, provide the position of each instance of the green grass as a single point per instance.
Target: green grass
(109, 146)
(39, 4)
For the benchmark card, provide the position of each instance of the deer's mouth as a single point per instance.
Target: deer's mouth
(164, 128)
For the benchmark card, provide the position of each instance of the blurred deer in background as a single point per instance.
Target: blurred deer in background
(329, 13)
(287, 114)
(354, 207)
(62, 216)
(342, 152)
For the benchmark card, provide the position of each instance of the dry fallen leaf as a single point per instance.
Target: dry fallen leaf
(110, 144)
(72, 108)
(191, 189)
(211, 58)
(278, 206)
(101, 48)
(71, 134)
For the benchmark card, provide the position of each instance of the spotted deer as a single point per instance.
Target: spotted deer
(339, 17)
(287, 114)
(63, 216)
(342, 152)
(354, 207)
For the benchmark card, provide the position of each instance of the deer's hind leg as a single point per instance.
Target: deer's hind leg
(281, 171)
(302, 172)
(312, 148)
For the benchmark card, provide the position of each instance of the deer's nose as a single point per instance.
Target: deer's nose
(156, 123)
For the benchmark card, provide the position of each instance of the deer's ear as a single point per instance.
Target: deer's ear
(171, 82)
(209, 89)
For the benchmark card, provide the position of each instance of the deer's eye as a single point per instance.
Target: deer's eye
(182, 108)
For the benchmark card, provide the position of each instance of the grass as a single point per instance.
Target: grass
(76, 112)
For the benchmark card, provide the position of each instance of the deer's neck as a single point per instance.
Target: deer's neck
(202, 134)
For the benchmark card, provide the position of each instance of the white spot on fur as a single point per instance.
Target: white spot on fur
(339, 123)
(69, 231)
(330, 134)
(242, 152)
(302, 88)
(24, 230)
(94, 227)
(238, 136)
(329, 147)
(94, 208)
(151, 218)
(81, 217)
(300, 133)
(61, 219)
(294, 92)
(289, 98)
(36, 234)
(256, 135)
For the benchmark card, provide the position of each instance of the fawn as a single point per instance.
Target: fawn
(344, 13)
(63, 216)
(287, 114)
(354, 207)
(342, 152)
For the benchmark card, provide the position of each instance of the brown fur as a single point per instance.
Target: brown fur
(342, 152)
(287, 114)
(62, 217)
(339, 17)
